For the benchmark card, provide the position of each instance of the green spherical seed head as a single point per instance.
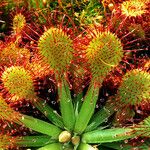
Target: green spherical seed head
(133, 8)
(15, 54)
(104, 52)
(7, 112)
(56, 48)
(18, 82)
(19, 23)
(135, 87)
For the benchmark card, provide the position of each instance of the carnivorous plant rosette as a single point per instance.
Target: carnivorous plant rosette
(51, 54)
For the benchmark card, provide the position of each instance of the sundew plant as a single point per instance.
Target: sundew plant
(74, 75)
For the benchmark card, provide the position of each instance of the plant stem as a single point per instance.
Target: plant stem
(101, 116)
(66, 105)
(108, 135)
(40, 126)
(33, 141)
(52, 115)
(125, 146)
(54, 146)
(84, 146)
(87, 109)
(77, 103)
